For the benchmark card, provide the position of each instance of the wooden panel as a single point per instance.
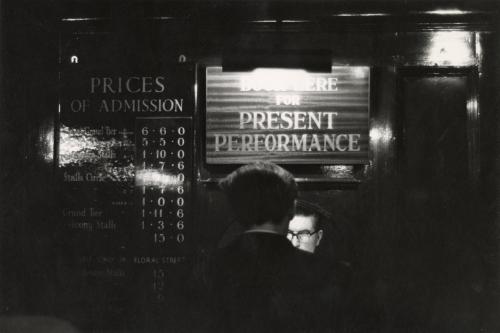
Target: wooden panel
(436, 212)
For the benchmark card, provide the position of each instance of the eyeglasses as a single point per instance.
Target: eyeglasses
(302, 236)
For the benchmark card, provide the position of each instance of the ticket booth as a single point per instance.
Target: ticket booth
(119, 120)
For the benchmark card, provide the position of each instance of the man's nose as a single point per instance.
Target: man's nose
(295, 241)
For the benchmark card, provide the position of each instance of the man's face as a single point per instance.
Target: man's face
(302, 233)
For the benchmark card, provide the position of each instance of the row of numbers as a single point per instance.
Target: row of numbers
(162, 152)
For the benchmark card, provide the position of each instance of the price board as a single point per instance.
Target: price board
(125, 167)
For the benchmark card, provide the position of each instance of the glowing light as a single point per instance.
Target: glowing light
(450, 48)
(48, 146)
(286, 80)
(276, 79)
(380, 133)
(157, 178)
(448, 12)
(360, 72)
(283, 21)
(265, 21)
(81, 19)
(163, 18)
(472, 104)
(479, 48)
(361, 14)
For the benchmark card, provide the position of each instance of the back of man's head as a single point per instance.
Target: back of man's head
(260, 192)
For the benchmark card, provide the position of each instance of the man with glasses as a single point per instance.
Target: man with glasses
(305, 230)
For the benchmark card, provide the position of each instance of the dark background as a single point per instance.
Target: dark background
(419, 224)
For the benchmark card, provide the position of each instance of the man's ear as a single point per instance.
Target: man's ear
(320, 236)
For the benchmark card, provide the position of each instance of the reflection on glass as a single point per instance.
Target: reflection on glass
(78, 145)
(478, 48)
(157, 178)
(98, 156)
(47, 144)
(337, 171)
(380, 133)
(472, 104)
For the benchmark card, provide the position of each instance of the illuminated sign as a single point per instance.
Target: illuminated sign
(287, 116)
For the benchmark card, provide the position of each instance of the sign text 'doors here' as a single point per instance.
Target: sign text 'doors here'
(288, 116)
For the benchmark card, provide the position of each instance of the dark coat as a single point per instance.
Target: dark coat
(262, 283)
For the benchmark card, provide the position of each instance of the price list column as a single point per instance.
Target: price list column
(163, 179)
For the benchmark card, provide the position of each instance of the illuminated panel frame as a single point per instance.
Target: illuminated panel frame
(288, 116)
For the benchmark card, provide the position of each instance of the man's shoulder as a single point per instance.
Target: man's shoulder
(262, 247)
(250, 241)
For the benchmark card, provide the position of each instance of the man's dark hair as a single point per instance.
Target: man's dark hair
(306, 208)
(260, 192)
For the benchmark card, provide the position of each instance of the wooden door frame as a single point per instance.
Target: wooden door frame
(471, 75)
